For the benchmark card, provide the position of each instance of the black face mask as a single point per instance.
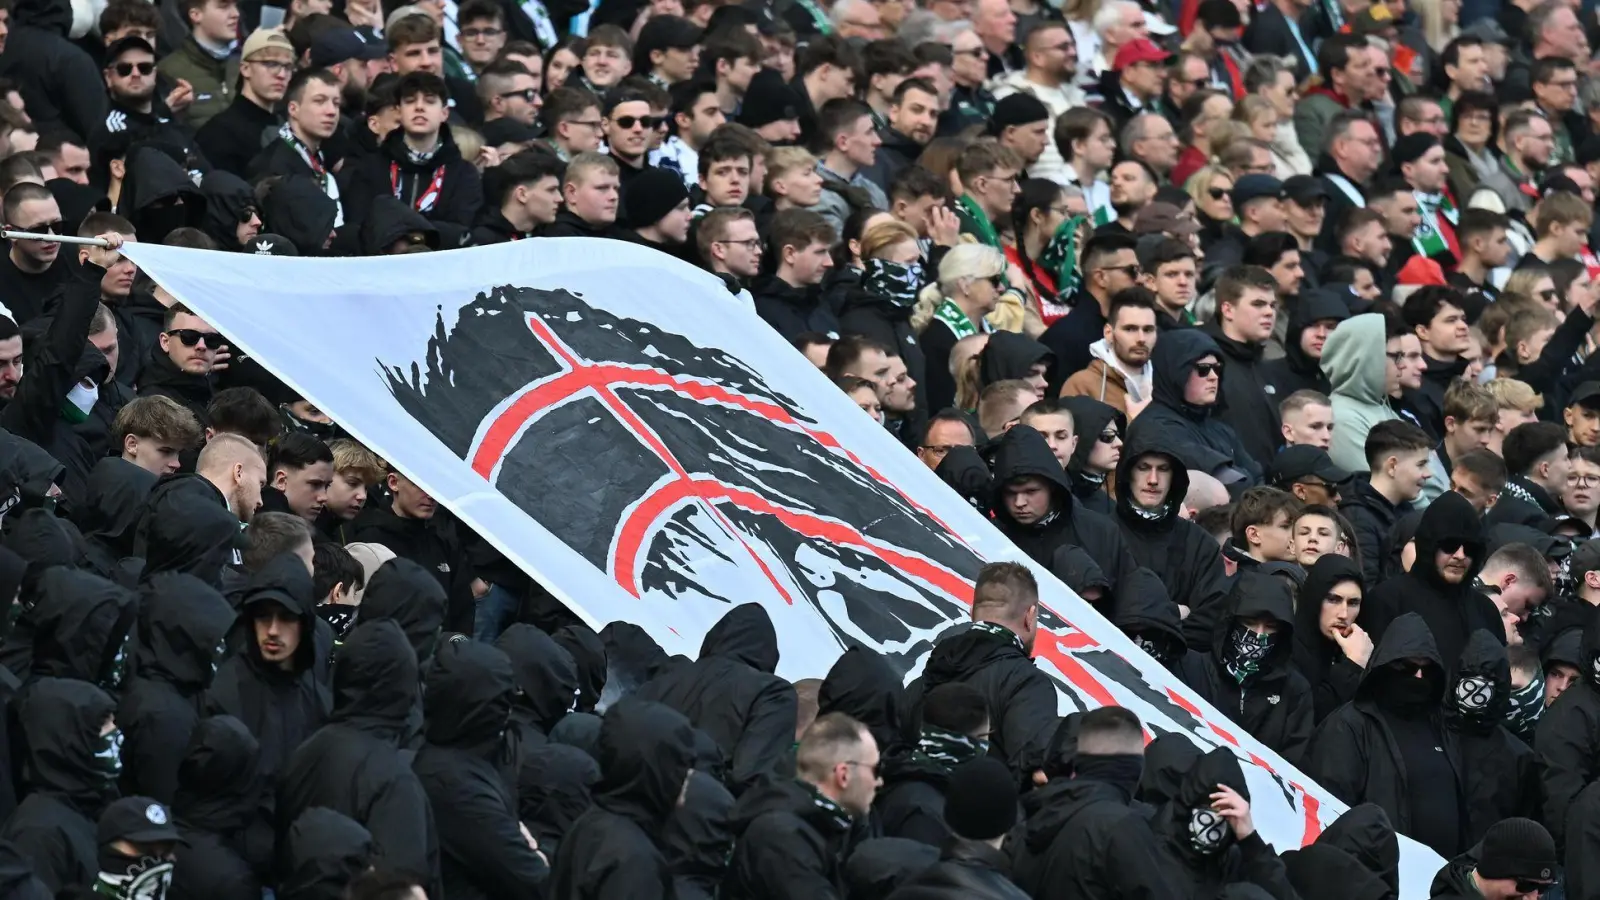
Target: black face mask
(1121, 770)
(1409, 694)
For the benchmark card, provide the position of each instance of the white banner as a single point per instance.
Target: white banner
(620, 427)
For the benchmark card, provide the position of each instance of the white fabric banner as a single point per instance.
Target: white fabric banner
(619, 426)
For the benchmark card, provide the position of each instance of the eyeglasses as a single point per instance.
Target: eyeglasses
(1206, 370)
(588, 124)
(1400, 356)
(941, 449)
(473, 34)
(527, 94)
(870, 767)
(999, 282)
(276, 67)
(1583, 480)
(1218, 193)
(1198, 83)
(751, 244)
(975, 53)
(626, 123)
(190, 337)
(124, 69)
(53, 226)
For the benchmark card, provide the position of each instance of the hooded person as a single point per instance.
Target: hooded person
(1499, 774)
(1168, 760)
(588, 653)
(407, 594)
(1329, 647)
(971, 866)
(878, 865)
(354, 765)
(1251, 673)
(158, 195)
(1181, 421)
(1567, 737)
(699, 839)
(1010, 356)
(1078, 570)
(188, 528)
(177, 645)
(1516, 858)
(1142, 610)
(1207, 834)
(1440, 586)
(546, 683)
(268, 681)
(632, 658)
(1353, 360)
(297, 209)
(70, 775)
(863, 684)
(730, 693)
(325, 851)
(1389, 746)
(482, 851)
(1152, 484)
(81, 628)
(1365, 833)
(618, 848)
(1311, 320)
(392, 227)
(955, 728)
(114, 499)
(556, 788)
(1032, 504)
(230, 202)
(1091, 419)
(217, 795)
(1323, 872)
(17, 881)
(41, 542)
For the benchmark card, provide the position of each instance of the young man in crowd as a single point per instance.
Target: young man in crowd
(590, 190)
(1537, 461)
(572, 118)
(1469, 415)
(788, 299)
(300, 474)
(696, 113)
(205, 60)
(1120, 374)
(232, 137)
(1397, 456)
(522, 194)
(152, 432)
(1307, 418)
(1263, 527)
(297, 149)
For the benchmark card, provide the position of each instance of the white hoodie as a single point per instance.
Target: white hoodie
(1137, 383)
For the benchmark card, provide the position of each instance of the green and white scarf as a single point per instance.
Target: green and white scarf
(952, 316)
(968, 209)
(947, 748)
(1429, 240)
(1060, 256)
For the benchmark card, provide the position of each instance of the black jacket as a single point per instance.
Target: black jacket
(217, 796)
(80, 625)
(162, 378)
(114, 499)
(1084, 839)
(323, 852)
(1333, 676)
(967, 870)
(547, 686)
(884, 320)
(1245, 399)
(1248, 861)
(353, 765)
(1274, 704)
(1181, 424)
(730, 693)
(1090, 418)
(1372, 517)
(1568, 737)
(1142, 610)
(459, 197)
(1364, 832)
(481, 849)
(1355, 753)
(1270, 32)
(864, 685)
(281, 706)
(70, 773)
(492, 227)
(182, 621)
(792, 311)
(557, 789)
(568, 224)
(229, 200)
(1498, 769)
(1179, 551)
(1295, 370)
(60, 83)
(789, 846)
(1071, 335)
(234, 136)
(298, 210)
(616, 850)
(432, 544)
(1524, 503)
(387, 220)
(910, 804)
(1323, 872)
(187, 527)
(698, 839)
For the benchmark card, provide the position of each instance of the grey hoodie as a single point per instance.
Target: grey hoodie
(1353, 360)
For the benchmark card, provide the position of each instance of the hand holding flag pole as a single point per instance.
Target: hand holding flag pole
(101, 241)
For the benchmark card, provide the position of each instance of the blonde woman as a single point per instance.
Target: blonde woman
(1212, 190)
(1535, 283)
(971, 281)
(880, 305)
(1439, 21)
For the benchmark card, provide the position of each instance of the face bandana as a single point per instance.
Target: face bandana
(132, 878)
(1526, 703)
(1208, 832)
(1245, 651)
(108, 756)
(1156, 648)
(896, 282)
(75, 408)
(948, 748)
(1472, 695)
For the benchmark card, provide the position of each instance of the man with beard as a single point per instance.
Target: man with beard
(1133, 187)
(313, 107)
(130, 76)
(1120, 373)
(1527, 142)
(1052, 65)
(1389, 746)
(1347, 83)
(351, 58)
(1020, 124)
(181, 362)
(1311, 320)
(1354, 153)
(1247, 309)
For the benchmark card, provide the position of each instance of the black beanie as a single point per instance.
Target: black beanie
(1411, 147)
(1518, 848)
(1017, 109)
(768, 99)
(651, 194)
(981, 802)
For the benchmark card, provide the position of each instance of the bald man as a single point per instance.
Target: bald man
(235, 468)
(1205, 492)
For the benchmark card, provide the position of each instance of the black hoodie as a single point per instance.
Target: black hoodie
(1181, 423)
(1085, 839)
(154, 180)
(431, 544)
(792, 311)
(865, 686)
(176, 648)
(82, 624)
(1186, 558)
(617, 848)
(1273, 703)
(699, 839)
(71, 772)
(1568, 735)
(161, 377)
(1324, 872)
(114, 500)
(59, 83)
(459, 197)
(1022, 452)
(388, 221)
(554, 790)
(1142, 610)
(1333, 676)
(546, 681)
(17, 881)
(1248, 861)
(730, 693)
(1090, 418)
(229, 201)
(1498, 770)
(298, 209)
(1009, 355)
(967, 870)
(1296, 371)
(1380, 749)
(187, 527)
(1245, 399)
(325, 851)
(481, 849)
(1451, 611)
(1364, 832)
(217, 796)
(354, 765)
(789, 846)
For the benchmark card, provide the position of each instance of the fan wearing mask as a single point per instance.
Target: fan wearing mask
(1207, 834)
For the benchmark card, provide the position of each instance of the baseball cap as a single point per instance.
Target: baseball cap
(1142, 50)
(123, 45)
(401, 12)
(1303, 189)
(1298, 461)
(1163, 218)
(1375, 19)
(266, 39)
(1585, 559)
(1254, 187)
(339, 44)
(140, 820)
(1588, 391)
(268, 244)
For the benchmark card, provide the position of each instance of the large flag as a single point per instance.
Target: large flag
(626, 431)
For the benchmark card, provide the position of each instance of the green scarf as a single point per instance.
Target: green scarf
(1428, 239)
(1060, 256)
(834, 811)
(950, 314)
(973, 215)
(947, 748)
(999, 631)
(818, 17)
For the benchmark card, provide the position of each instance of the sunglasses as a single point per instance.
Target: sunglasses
(1218, 193)
(528, 94)
(191, 337)
(1533, 887)
(872, 768)
(125, 69)
(54, 226)
(1449, 546)
(1108, 437)
(1206, 370)
(626, 123)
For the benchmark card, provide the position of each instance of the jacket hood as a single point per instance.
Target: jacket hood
(1010, 355)
(468, 700)
(646, 751)
(1449, 519)
(698, 839)
(1312, 650)
(82, 625)
(632, 656)
(1143, 607)
(1078, 569)
(554, 788)
(325, 851)
(879, 865)
(114, 499)
(62, 718)
(1173, 360)
(16, 875)
(964, 651)
(545, 677)
(152, 177)
(50, 15)
(43, 540)
(1406, 637)
(285, 582)
(1049, 809)
(1145, 443)
(375, 677)
(1322, 872)
(589, 655)
(1259, 596)
(298, 209)
(187, 530)
(580, 730)
(1353, 360)
(1022, 452)
(744, 633)
(1478, 699)
(407, 594)
(388, 221)
(865, 686)
(1168, 760)
(1089, 419)
(229, 199)
(218, 780)
(1312, 307)
(1219, 766)
(1365, 833)
(182, 623)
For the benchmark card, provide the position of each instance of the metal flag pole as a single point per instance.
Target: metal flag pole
(58, 238)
